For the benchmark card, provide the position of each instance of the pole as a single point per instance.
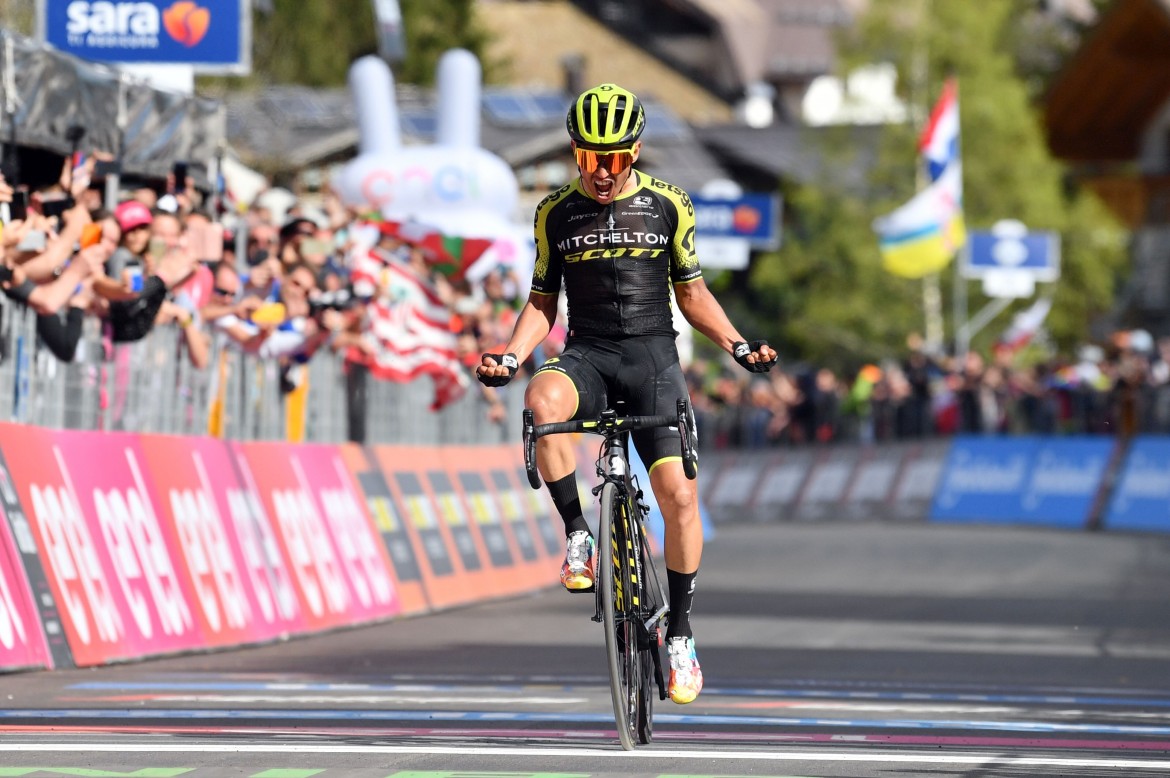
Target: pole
(931, 293)
(959, 319)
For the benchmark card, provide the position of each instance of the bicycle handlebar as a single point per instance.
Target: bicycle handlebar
(607, 424)
(604, 426)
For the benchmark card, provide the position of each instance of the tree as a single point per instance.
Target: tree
(313, 42)
(836, 303)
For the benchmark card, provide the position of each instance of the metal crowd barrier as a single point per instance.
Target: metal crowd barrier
(151, 386)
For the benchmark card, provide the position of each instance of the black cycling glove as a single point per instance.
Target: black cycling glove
(741, 351)
(507, 360)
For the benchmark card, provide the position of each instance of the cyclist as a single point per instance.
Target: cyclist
(620, 240)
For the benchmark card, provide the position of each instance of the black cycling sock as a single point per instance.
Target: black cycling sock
(681, 587)
(567, 500)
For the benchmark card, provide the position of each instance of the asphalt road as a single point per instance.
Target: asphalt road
(835, 649)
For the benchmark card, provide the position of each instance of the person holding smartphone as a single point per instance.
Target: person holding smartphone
(136, 300)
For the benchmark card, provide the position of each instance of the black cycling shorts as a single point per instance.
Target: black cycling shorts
(644, 371)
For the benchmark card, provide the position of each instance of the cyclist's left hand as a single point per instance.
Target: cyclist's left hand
(756, 357)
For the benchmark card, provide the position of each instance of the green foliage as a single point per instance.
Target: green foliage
(432, 27)
(835, 303)
(313, 42)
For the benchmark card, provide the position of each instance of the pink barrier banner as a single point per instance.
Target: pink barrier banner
(22, 643)
(228, 556)
(339, 565)
(108, 557)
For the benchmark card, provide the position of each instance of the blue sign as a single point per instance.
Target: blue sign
(1141, 499)
(212, 36)
(755, 217)
(1037, 253)
(1022, 480)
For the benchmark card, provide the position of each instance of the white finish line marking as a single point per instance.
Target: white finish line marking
(788, 756)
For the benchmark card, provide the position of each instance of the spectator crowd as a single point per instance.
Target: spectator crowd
(287, 281)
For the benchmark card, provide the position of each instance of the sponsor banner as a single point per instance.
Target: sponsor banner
(826, 484)
(734, 483)
(469, 544)
(780, 486)
(469, 469)
(20, 553)
(339, 566)
(753, 217)
(1141, 497)
(109, 557)
(391, 523)
(322, 472)
(241, 593)
(871, 491)
(214, 36)
(1022, 480)
(22, 643)
(920, 474)
(550, 530)
(444, 578)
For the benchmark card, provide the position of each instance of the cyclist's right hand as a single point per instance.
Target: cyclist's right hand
(497, 369)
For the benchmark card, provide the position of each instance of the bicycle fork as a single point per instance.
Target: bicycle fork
(629, 554)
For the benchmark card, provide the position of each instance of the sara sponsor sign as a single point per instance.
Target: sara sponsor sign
(213, 36)
(1023, 480)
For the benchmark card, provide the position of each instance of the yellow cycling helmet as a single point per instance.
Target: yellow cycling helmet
(606, 116)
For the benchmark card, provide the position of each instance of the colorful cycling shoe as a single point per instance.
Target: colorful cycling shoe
(686, 678)
(577, 571)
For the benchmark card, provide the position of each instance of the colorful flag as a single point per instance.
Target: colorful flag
(408, 330)
(1025, 325)
(923, 235)
(450, 255)
(939, 144)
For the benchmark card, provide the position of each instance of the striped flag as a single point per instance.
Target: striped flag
(939, 144)
(408, 328)
(924, 235)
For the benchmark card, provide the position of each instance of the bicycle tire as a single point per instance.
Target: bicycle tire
(621, 637)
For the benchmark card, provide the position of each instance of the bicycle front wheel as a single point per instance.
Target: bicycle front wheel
(619, 616)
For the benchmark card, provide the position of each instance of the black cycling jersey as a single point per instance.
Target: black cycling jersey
(619, 260)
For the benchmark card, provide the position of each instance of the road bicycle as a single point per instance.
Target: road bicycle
(630, 600)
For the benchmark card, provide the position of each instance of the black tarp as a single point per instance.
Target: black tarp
(48, 91)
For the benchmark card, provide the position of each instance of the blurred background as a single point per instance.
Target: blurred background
(801, 128)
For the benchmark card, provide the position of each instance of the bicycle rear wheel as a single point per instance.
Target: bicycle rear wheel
(619, 617)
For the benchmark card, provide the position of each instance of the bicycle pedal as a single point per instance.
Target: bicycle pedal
(590, 590)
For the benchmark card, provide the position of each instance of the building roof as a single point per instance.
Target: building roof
(1101, 103)
(288, 128)
(799, 154)
(532, 39)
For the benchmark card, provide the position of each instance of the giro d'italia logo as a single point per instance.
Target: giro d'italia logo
(186, 22)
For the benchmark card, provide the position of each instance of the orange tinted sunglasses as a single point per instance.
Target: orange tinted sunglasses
(613, 161)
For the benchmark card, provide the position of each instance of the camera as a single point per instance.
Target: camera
(338, 300)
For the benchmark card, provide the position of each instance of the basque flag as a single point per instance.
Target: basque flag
(939, 144)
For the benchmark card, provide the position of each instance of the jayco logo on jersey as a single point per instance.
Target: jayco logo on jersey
(134, 25)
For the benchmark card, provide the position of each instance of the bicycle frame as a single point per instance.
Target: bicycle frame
(627, 587)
